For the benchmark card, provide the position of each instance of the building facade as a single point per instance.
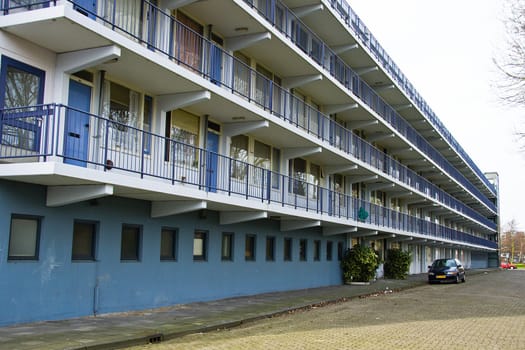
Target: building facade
(168, 151)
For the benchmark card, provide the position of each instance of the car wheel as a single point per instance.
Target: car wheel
(512, 267)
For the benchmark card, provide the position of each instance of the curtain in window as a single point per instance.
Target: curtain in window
(189, 42)
(125, 14)
(241, 75)
(299, 109)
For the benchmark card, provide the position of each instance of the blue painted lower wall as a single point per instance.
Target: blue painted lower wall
(55, 287)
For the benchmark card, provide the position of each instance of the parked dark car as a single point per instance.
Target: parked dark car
(446, 270)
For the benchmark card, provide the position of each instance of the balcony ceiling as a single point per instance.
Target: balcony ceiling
(49, 33)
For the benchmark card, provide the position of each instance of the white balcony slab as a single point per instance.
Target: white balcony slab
(63, 195)
(292, 225)
(167, 208)
(235, 217)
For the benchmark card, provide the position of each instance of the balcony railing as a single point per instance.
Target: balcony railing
(356, 25)
(203, 57)
(109, 145)
(289, 24)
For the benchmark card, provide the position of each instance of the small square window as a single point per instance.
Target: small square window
(200, 239)
(84, 240)
(227, 246)
(168, 244)
(317, 250)
(24, 238)
(270, 248)
(329, 249)
(302, 249)
(130, 243)
(249, 251)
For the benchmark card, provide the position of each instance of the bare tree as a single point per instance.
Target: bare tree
(512, 243)
(511, 62)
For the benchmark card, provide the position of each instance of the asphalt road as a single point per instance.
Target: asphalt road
(486, 312)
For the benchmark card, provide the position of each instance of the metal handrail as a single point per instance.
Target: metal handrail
(281, 103)
(116, 146)
(356, 25)
(364, 92)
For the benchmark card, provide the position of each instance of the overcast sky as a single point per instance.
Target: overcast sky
(446, 49)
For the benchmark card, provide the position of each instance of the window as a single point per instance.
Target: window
(298, 173)
(22, 86)
(227, 247)
(263, 82)
(189, 39)
(241, 73)
(200, 242)
(24, 238)
(126, 14)
(130, 243)
(302, 249)
(146, 123)
(121, 107)
(339, 184)
(15, 6)
(329, 249)
(249, 250)
(262, 155)
(317, 250)
(84, 240)
(270, 248)
(184, 128)
(276, 168)
(287, 249)
(168, 244)
(339, 251)
(239, 153)
(313, 178)
(298, 106)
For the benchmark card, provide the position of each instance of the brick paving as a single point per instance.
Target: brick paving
(486, 312)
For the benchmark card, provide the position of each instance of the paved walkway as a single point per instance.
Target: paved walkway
(119, 330)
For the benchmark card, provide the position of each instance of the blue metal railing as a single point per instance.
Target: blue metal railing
(13, 6)
(312, 45)
(110, 145)
(203, 57)
(356, 25)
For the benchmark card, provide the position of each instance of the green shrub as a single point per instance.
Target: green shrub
(359, 264)
(397, 264)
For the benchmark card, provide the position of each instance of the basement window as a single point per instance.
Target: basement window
(24, 237)
(84, 240)
(130, 243)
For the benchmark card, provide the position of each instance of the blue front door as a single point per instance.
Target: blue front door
(77, 124)
(216, 64)
(86, 7)
(212, 159)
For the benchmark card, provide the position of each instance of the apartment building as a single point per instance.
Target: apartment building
(169, 151)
